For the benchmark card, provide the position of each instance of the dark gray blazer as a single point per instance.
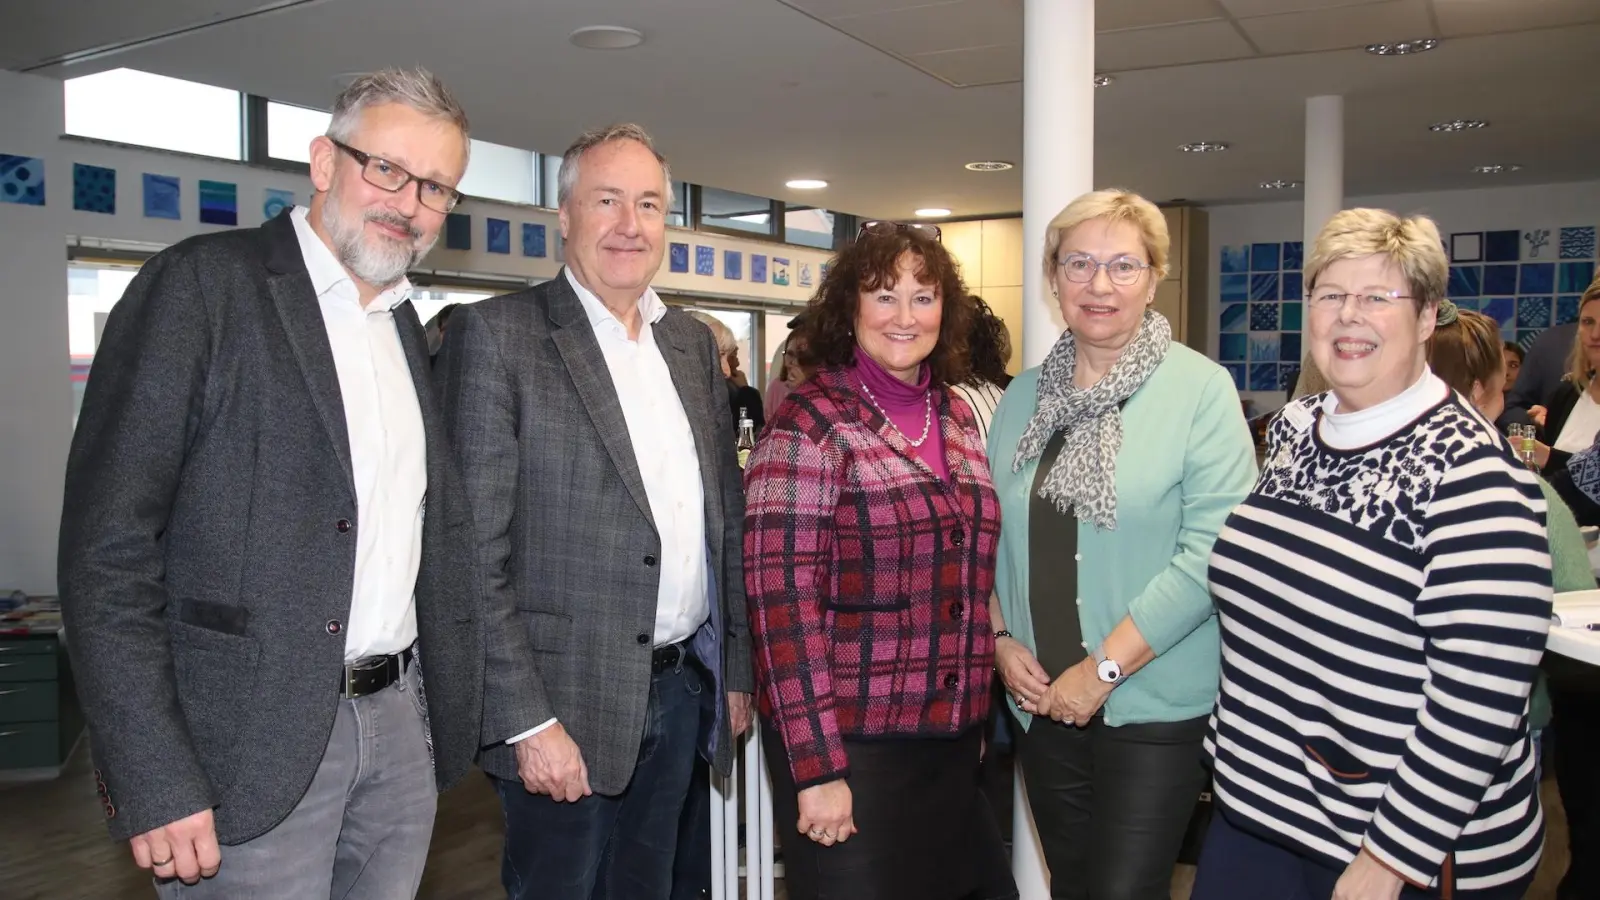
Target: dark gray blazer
(566, 543)
(208, 543)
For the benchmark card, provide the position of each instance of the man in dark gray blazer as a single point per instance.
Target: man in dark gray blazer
(251, 588)
(592, 428)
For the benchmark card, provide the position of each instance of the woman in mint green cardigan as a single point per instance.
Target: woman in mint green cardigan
(1116, 463)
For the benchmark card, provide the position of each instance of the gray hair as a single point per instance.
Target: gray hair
(726, 343)
(416, 88)
(568, 177)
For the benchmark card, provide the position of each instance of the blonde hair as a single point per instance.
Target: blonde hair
(1467, 351)
(1578, 368)
(727, 344)
(1411, 243)
(1110, 205)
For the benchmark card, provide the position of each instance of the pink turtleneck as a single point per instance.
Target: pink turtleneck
(906, 405)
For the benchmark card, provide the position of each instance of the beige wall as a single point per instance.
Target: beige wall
(991, 256)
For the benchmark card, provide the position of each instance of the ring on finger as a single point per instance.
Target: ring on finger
(165, 862)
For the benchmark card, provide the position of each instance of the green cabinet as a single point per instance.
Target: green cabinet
(39, 717)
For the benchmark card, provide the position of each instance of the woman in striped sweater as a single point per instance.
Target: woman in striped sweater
(1384, 595)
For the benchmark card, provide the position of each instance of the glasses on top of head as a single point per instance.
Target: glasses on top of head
(1369, 302)
(1081, 267)
(884, 227)
(380, 173)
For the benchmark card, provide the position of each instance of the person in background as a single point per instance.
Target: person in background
(435, 328)
(1543, 371)
(870, 530)
(1310, 380)
(1115, 463)
(1384, 594)
(989, 347)
(1569, 419)
(1513, 354)
(788, 372)
(739, 397)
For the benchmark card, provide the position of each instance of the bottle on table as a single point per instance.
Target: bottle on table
(747, 436)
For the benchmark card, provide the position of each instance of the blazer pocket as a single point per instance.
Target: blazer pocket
(216, 679)
(548, 632)
(1337, 761)
(211, 615)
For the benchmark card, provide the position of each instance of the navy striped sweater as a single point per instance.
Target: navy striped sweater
(1383, 613)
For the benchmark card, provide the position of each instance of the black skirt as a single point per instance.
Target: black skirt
(926, 831)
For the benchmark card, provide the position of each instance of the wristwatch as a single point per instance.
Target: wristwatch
(1109, 670)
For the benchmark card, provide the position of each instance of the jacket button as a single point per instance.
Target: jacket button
(644, 637)
(343, 525)
(333, 626)
(111, 811)
(957, 538)
(649, 559)
(951, 680)
(955, 610)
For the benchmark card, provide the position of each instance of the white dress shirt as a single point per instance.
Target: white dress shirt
(670, 468)
(388, 452)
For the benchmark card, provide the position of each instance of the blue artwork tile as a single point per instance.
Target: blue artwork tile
(1233, 347)
(758, 268)
(458, 231)
(1235, 288)
(1501, 309)
(498, 232)
(1234, 317)
(219, 202)
(1499, 280)
(94, 189)
(21, 180)
(1537, 278)
(1537, 244)
(1263, 317)
(1508, 331)
(1525, 338)
(1264, 346)
(732, 265)
(1567, 309)
(1264, 376)
(1293, 286)
(1502, 246)
(1465, 281)
(275, 201)
(161, 195)
(1264, 286)
(1292, 317)
(1574, 277)
(1577, 243)
(1289, 348)
(678, 257)
(1236, 370)
(1236, 259)
(1533, 312)
(705, 260)
(1265, 257)
(1293, 255)
(1472, 303)
(533, 240)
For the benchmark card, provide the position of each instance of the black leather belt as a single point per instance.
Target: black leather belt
(669, 657)
(372, 674)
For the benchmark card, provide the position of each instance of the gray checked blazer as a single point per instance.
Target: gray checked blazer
(566, 543)
(208, 543)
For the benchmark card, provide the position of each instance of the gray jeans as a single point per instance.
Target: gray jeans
(361, 831)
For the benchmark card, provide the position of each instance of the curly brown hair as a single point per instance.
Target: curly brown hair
(827, 337)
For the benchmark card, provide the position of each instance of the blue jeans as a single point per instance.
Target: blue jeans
(611, 848)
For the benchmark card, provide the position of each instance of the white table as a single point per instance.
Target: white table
(1576, 643)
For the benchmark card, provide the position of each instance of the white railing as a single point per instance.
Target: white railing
(754, 868)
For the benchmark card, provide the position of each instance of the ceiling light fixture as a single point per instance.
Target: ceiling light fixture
(1497, 169)
(1403, 48)
(1458, 125)
(1103, 80)
(1204, 147)
(806, 184)
(1279, 185)
(989, 165)
(933, 212)
(606, 37)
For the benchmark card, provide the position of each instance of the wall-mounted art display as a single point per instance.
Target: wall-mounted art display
(275, 201)
(498, 232)
(705, 260)
(758, 268)
(21, 180)
(732, 265)
(161, 197)
(458, 231)
(780, 271)
(533, 240)
(219, 202)
(678, 258)
(94, 189)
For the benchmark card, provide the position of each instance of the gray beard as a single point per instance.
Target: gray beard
(379, 262)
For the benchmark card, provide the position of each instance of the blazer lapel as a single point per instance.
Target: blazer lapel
(689, 377)
(580, 350)
(415, 345)
(296, 302)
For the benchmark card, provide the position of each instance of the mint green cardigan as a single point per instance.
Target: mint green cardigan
(1187, 460)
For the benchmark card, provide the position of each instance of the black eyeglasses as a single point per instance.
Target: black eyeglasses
(380, 173)
(884, 228)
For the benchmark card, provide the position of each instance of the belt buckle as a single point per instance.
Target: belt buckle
(360, 667)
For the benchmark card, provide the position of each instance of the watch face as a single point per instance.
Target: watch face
(1110, 672)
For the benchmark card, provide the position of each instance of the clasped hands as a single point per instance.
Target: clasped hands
(1071, 699)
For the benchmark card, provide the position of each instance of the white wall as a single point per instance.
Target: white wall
(1549, 206)
(35, 389)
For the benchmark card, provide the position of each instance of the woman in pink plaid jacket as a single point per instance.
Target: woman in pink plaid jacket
(870, 532)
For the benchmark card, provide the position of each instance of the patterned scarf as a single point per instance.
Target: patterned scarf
(1084, 477)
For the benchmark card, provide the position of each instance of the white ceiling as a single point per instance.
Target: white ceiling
(886, 99)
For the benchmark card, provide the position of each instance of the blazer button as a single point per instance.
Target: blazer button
(955, 610)
(343, 525)
(957, 538)
(334, 627)
(644, 637)
(951, 680)
(649, 559)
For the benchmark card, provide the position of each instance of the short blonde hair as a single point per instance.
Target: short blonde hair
(1578, 368)
(727, 344)
(1411, 243)
(1110, 205)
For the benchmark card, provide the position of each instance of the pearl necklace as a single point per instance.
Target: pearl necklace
(927, 416)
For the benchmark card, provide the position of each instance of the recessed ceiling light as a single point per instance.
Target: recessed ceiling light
(1458, 125)
(1204, 147)
(1279, 185)
(1402, 48)
(990, 165)
(1103, 80)
(1497, 169)
(933, 212)
(806, 184)
(606, 37)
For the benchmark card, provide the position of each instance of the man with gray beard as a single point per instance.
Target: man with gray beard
(265, 547)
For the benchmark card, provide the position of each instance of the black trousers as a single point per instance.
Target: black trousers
(1112, 804)
(1575, 738)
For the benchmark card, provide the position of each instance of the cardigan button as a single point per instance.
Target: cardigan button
(951, 680)
(957, 538)
(342, 526)
(955, 610)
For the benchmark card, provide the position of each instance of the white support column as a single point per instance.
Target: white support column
(1324, 177)
(1057, 149)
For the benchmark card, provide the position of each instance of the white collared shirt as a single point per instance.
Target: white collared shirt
(388, 451)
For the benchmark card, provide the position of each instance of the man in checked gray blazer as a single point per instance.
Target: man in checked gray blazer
(591, 425)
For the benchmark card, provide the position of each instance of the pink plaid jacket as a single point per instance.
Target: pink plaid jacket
(868, 577)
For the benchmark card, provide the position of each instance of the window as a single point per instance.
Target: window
(679, 214)
(499, 172)
(91, 292)
(290, 130)
(740, 213)
(134, 107)
(808, 226)
(550, 181)
(430, 300)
